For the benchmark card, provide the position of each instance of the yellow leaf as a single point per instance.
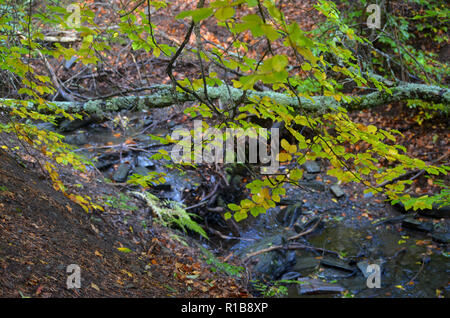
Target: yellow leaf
(95, 287)
(128, 273)
(124, 249)
(283, 156)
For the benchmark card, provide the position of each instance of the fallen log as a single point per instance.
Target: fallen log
(164, 96)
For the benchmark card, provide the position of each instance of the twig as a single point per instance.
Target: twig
(226, 237)
(205, 199)
(291, 246)
(417, 173)
(293, 238)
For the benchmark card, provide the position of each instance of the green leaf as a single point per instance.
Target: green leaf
(296, 174)
(225, 13)
(234, 207)
(197, 15)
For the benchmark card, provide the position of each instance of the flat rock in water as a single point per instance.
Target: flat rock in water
(145, 162)
(337, 191)
(304, 263)
(310, 286)
(141, 171)
(121, 173)
(289, 215)
(311, 166)
(300, 226)
(363, 268)
(272, 265)
(336, 263)
(106, 160)
(290, 276)
(413, 224)
(441, 237)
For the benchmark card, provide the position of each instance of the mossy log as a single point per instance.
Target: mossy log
(164, 96)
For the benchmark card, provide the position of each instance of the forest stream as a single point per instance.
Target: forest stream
(350, 234)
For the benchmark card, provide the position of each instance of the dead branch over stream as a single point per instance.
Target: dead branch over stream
(164, 96)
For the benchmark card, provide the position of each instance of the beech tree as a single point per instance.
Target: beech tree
(297, 77)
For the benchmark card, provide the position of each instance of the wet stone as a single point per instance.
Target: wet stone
(312, 184)
(363, 268)
(46, 126)
(302, 226)
(121, 173)
(336, 263)
(106, 160)
(289, 215)
(304, 263)
(337, 191)
(141, 171)
(308, 176)
(272, 265)
(163, 187)
(145, 162)
(290, 276)
(417, 225)
(311, 166)
(441, 237)
(310, 286)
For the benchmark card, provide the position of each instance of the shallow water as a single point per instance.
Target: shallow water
(398, 254)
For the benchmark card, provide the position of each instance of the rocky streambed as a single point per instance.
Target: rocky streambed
(350, 234)
(332, 260)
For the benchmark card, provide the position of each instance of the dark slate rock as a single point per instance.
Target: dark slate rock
(311, 166)
(312, 184)
(441, 237)
(163, 187)
(337, 191)
(300, 226)
(121, 173)
(274, 264)
(290, 276)
(141, 171)
(46, 126)
(304, 263)
(363, 268)
(417, 225)
(289, 215)
(144, 161)
(106, 160)
(310, 286)
(336, 263)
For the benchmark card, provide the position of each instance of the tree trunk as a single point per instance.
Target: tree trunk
(164, 96)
